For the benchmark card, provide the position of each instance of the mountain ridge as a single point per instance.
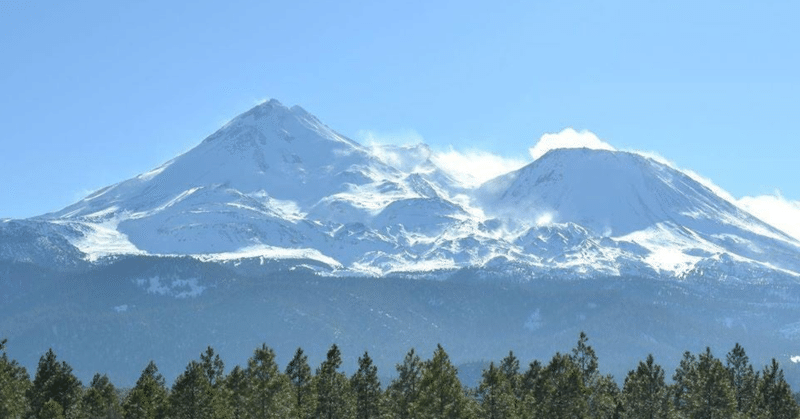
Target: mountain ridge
(278, 181)
(237, 242)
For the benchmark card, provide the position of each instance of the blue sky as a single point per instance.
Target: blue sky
(94, 92)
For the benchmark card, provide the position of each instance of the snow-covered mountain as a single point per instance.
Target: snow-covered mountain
(627, 206)
(276, 183)
(272, 229)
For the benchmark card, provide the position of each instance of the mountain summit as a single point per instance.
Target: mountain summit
(276, 183)
(287, 152)
(277, 229)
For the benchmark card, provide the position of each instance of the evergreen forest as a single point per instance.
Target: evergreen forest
(570, 385)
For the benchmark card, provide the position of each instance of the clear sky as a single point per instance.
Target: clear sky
(94, 92)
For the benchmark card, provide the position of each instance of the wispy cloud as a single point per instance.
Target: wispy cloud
(568, 138)
(397, 138)
(406, 150)
(473, 167)
(775, 210)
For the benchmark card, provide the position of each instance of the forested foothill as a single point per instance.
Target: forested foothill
(569, 385)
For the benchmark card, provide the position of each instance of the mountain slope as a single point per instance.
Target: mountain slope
(276, 183)
(630, 200)
(277, 229)
(247, 184)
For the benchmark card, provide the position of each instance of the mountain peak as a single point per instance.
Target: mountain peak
(276, 177)
(285, 152)
(274, 105)
(612, 192)
(273, 124)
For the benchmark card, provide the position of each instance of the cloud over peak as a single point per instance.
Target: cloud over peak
(775, 210)
(474, 167)
(568, 138)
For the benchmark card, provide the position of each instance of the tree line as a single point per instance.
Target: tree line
(569, 386)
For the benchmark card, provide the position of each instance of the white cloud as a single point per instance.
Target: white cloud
(403, 150)
(407, 151)
(407, 158)
(775, 210)
(473, 167)
(397, 138)
(568, 138)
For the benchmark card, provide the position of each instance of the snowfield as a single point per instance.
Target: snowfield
(276, 183)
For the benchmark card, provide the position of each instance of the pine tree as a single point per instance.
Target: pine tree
(334, 397)
(532, 389)
(682, 380)
(51, 409)
(710, 393)
(743, 378)
(561, 391)
(509, 366)
(100, 399)
(531, 377)
(645, 394)
(55, 381)
(366, 389)
(213, 366)
(271, 395)
(299, 373)
(192, 395)
(403, 392)
(602, 391)
(774, 399)
(585, 359)
(235, 392)
(14, 383)
(604, 400)
(496, 394)
(148, 399)
(441, 395)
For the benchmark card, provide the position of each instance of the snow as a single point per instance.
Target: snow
(103, 213)
(534, 321)
(270, 252)
(276, 183)
(670, 248)
(177, 288)
(101, 239)
(285, 209)
(155, 172)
